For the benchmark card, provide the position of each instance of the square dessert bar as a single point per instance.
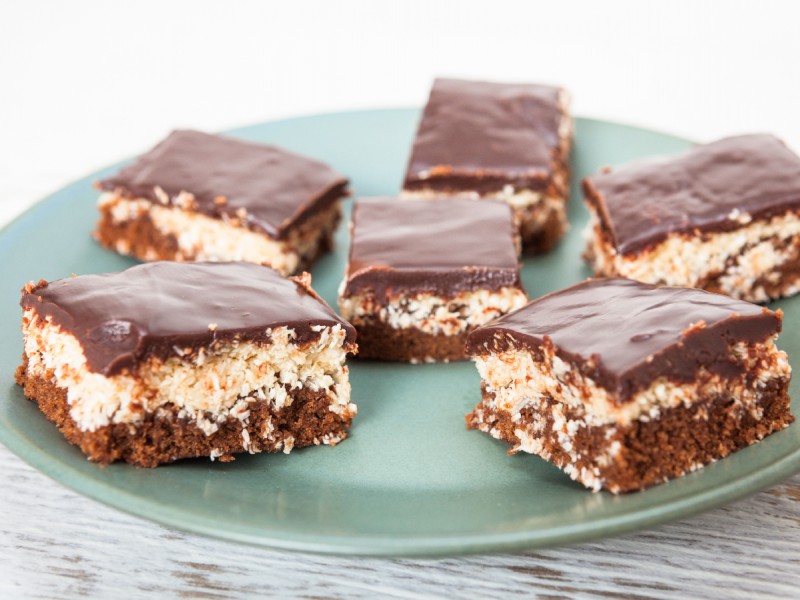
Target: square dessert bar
(724, 217)
(497, 140)
(421, 276)
(625, 385)
(201, 197)
(167, 361)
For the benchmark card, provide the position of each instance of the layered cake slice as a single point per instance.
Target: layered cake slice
(723, 216)
(202, 197)
(497, 140)
(421, 276)
(625, 385)
(167, 361)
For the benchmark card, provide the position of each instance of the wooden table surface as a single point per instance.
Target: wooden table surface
(57, 544)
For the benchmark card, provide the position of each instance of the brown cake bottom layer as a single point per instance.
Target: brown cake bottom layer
(540, 228)
(139, 237)
(165, 437)
(681, 440)
(377, 340)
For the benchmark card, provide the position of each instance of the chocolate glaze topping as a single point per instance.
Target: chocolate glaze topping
(151, 309)
(482, 136)
(269, 188)
(445, 246)
(625, 334)
(713, 187)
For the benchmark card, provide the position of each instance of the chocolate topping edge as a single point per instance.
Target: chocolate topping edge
(112, 362)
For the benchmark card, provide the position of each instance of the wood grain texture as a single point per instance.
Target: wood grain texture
(57, 544)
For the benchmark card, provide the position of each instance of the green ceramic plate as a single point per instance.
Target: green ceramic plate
(411, 480)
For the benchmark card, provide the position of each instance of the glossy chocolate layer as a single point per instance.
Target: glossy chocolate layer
(713, 187)
(625, 334)
(445, 246)
(482, 136)
(120, 318)
(269, 188)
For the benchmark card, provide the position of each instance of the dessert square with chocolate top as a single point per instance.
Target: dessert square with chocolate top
(724, 217)
(497, 140)
(166, 361)
(421, 276)
(624, 385)
(202, 197)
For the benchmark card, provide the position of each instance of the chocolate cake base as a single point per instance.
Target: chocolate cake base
(681, 440)
(140, 235)
(377, 340)
(536, 238)
(166, 437)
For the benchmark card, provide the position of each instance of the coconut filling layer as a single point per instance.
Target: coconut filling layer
(434, 314)
(562, 398)
(743, 258)
(203, 238)
(207, 386)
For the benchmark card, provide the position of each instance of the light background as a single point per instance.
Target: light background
(86, 83)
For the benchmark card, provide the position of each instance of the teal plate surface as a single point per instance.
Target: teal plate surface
(410, 480)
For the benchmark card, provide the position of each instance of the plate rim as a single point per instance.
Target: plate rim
(384, 546)
(411, 546)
